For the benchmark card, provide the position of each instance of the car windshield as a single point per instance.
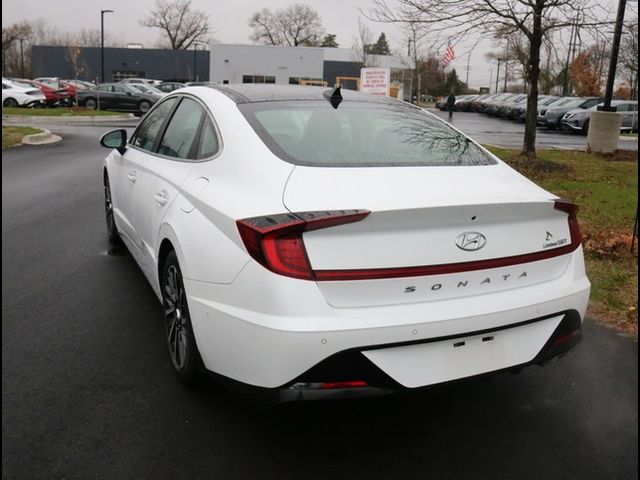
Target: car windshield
(144, 88)
(573, 103)
(359, 134)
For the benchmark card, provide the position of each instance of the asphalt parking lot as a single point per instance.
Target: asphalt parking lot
(88, 391)
(505, 133)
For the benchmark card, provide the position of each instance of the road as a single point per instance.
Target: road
(505, 133)
(88, 391)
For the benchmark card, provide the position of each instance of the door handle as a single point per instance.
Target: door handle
(132, 176)
(161, 198)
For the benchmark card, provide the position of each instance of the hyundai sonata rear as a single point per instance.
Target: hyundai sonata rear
(341, 243)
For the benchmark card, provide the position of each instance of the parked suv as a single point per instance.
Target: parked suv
(551, 117)
(577, 120)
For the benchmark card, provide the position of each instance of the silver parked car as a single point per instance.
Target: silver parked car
(551, 116)
(577, 120)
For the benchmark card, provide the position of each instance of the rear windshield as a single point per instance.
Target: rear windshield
(359, 134)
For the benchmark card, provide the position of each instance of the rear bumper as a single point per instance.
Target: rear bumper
(355, 363)
(274, 332)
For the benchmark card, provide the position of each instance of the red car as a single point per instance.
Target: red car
(52, 97)
(66, 90)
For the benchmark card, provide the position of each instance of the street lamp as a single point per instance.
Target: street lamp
(195, 51)
(21, 58)
(102, 12)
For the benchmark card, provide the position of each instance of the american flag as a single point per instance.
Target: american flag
(449, 55)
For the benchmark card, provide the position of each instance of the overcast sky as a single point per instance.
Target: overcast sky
(229, 20)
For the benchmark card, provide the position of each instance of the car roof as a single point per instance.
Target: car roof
(249, 93)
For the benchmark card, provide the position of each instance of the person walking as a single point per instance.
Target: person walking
(451, 103)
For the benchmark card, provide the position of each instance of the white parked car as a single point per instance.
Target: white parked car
(18, 96)
(145, 81)
(306, 242)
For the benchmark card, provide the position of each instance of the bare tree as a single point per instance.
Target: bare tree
(551, 68)
(295, 26)
(78, 65)
(417, 47)
(629, 58)
(181, 25)
(361, 43)
(532, 18)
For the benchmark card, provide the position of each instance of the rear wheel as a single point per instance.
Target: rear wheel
(181, 340)
(10, 103)
(144, 106)
(91, 104)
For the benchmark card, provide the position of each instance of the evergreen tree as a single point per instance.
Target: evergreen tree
(381, 47)
(329, 40)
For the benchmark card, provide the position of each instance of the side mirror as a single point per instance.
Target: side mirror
(115, 139)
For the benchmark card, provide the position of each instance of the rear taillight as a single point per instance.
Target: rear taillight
(574, 227)
(275, 241)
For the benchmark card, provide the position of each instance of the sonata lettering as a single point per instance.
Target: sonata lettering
(463, 283)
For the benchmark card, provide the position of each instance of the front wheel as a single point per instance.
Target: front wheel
(585, 127)
(91, 104)
(112, 231)
(181, 340)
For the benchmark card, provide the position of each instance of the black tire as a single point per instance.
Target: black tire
(112, 231)
(144, 106)
(585, 127)
(183, 351)
(91, 104)
(10, 103)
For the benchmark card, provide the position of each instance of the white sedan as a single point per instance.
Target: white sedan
(307, 242)
(16, 96)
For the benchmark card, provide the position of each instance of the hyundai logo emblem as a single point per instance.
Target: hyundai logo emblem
(471, 241)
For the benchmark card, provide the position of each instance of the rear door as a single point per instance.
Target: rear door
(127, 171)
(123, 98)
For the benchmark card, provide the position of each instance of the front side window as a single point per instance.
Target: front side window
(182, 130)
(147, 133)
(359, 134)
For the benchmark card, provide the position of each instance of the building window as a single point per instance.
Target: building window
(316, 82)
(258, 79)
(122, 74)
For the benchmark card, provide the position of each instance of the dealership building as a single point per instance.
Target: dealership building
(222, 63)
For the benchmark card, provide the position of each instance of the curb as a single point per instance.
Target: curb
(67, 120)
(43, 138)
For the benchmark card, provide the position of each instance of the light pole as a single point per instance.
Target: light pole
(102, 12)
(21, 58)
(195, 51)
(614, 59)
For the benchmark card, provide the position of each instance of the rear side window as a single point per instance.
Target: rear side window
(359, 134)
(208, 141)
(148, 131)
(182, 130)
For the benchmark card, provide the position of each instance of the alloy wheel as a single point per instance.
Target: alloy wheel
(176, 316)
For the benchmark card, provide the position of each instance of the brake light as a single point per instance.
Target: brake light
(574, 226)
(349, 384)
(275, 241)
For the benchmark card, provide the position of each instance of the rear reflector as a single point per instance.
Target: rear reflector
(350, 384)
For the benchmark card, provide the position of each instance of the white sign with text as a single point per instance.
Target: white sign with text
(375, 80)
